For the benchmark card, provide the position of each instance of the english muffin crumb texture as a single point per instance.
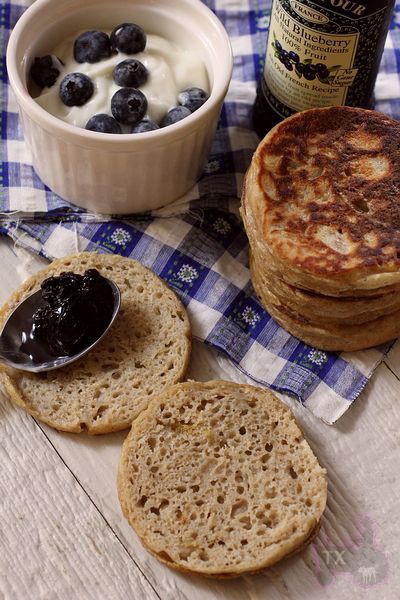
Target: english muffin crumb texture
(217, 478)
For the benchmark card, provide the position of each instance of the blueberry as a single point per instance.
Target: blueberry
(284, 53)
(309, 74)
(130, 73)
(300, 67)
(322, 70)
(103, 124)
(144, 126)
(294, 56)
(312, 68)
(76, 89)
(174, 115)
(92, 46)
(288, 65)
(192, 98)
(128, 38)
(278, 46)
(129, 105)
(282, 59)
(45, 70)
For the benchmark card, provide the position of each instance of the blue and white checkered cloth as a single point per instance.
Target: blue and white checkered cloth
(198, 244)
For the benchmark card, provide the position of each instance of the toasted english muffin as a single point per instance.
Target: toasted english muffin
(217, 479)
(328, 335)
(322, 309)
(146, 350)
(321, 200)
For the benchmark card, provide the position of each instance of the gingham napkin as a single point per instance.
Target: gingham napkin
(198, 244)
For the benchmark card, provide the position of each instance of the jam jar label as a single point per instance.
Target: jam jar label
(317, 50)
(306, 67)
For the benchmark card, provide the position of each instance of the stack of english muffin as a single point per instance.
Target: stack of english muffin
(321, 210)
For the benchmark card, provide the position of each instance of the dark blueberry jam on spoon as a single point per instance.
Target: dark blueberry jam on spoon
(75, 311)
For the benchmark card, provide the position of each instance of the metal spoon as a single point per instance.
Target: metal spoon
(20, 322)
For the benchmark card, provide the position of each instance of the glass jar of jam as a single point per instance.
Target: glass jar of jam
(320, 53)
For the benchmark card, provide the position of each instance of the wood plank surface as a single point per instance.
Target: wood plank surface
(54, 541)
(63, 534)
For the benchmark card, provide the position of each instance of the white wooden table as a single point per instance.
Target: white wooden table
(62, 534)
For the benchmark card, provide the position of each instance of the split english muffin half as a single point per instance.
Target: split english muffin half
(217, 479)
(146, 350)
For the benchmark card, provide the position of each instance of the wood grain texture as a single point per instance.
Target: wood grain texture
(54, 541)
(361, 454)
(393, 360)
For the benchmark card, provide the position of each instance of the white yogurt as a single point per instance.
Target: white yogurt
(171, 70)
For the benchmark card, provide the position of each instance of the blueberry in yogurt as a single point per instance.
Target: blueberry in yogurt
(128, 38)
(144, 126)
(192, 98)
(91, 47)
(130, 73)
(128, 106)
(103, 123)
(45, 70)
(114, 91)
(174, 115)
(76, 89)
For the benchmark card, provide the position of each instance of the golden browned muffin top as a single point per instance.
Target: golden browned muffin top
(327, 185)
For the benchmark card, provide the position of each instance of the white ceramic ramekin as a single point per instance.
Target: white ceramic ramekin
(111, 173)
